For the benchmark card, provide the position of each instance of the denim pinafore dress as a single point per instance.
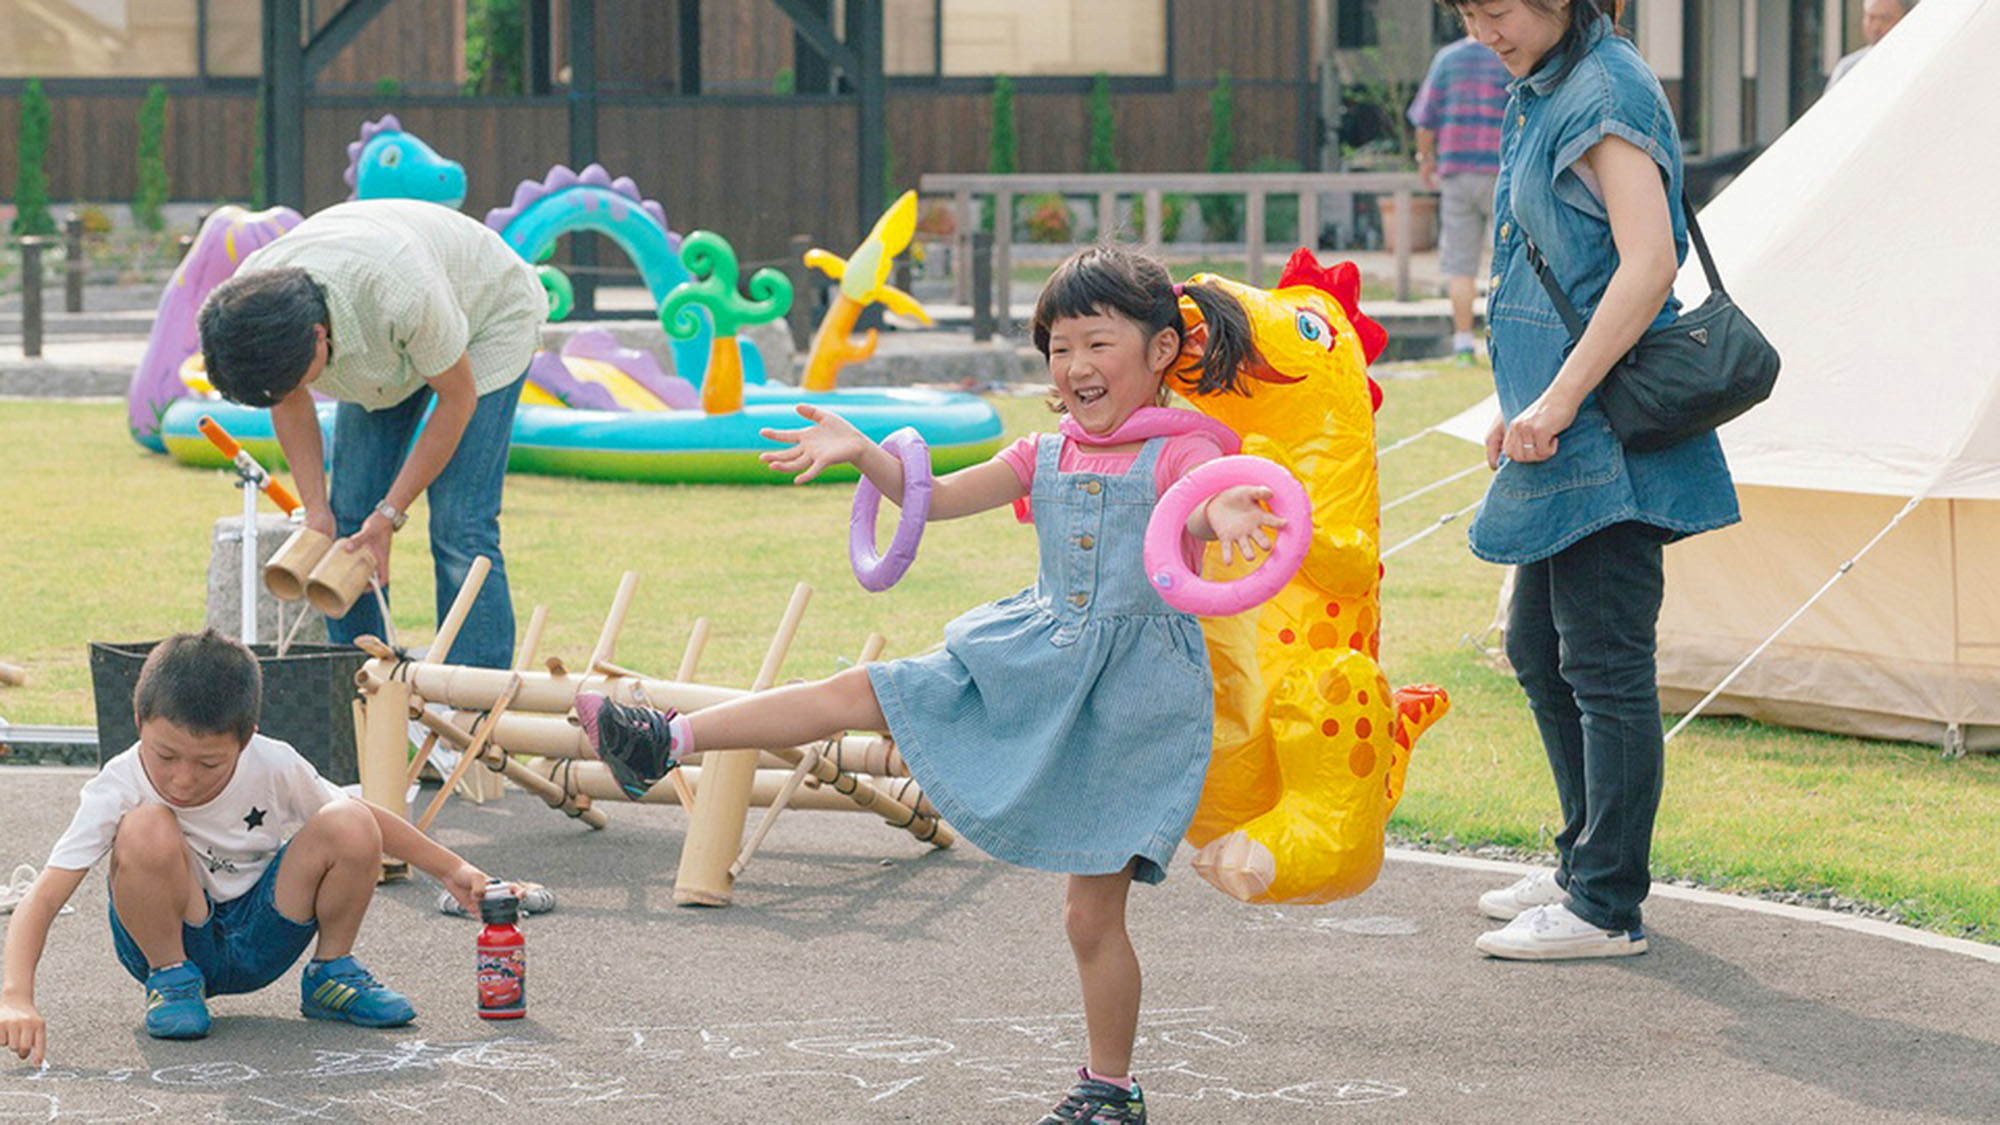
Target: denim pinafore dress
(1066, 727)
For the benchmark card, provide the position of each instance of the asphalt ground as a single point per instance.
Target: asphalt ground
(861, 976)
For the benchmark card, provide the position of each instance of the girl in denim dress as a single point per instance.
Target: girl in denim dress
(1590, 169)
(1065, 728)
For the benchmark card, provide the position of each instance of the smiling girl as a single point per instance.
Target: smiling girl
(1065, 728)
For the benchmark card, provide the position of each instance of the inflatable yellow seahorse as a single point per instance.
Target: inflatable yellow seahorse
(1311, 746)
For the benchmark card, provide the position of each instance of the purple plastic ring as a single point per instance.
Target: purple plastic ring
(877, 573)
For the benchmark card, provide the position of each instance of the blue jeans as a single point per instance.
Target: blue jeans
(246, 943)
(1581, 635)
(369, 447)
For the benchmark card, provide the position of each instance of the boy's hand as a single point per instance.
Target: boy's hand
(1239, 519)
(830, 440)
(467, 884)
(22, 1031)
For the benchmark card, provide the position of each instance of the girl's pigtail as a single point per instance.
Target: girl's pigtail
(1231, 345)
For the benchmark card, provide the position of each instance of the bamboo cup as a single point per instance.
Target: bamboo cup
(286, 574)
(338, 580)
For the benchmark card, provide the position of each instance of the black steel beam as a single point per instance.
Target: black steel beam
(864, 35)
(583, 137)
(283, 102)
(339, 31)
(541, 48)
(690, 44)
(819, 33)
(811, 72)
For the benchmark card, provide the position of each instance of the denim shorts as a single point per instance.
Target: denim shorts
(245, 944)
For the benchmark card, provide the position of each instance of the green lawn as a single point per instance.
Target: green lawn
(103, 541)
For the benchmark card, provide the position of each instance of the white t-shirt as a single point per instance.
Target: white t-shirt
(233, 836)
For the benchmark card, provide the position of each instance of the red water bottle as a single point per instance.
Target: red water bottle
(503, 955)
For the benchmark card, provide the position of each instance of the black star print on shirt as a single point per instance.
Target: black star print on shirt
(254, 818)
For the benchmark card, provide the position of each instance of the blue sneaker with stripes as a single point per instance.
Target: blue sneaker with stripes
(341, 989)
(176, 1007)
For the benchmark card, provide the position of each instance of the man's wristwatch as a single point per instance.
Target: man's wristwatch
(388, 512)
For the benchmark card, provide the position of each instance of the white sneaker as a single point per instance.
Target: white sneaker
(1552, 933)
(1537, 889)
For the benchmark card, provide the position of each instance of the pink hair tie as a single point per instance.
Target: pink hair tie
(1178, 290)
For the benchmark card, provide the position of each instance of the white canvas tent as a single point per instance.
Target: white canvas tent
(1866, 244)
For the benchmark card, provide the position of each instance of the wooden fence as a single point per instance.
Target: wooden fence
(966, 191)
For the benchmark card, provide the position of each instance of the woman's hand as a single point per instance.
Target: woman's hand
(1496, 436)
(830, 440)
(1240, 521)
(321, 520)
(1534, 433)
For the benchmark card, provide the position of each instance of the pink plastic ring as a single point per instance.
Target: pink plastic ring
(877, 573)
(1187, 591)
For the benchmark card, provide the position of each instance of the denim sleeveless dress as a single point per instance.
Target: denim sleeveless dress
(1534, 510)
(1067, 727)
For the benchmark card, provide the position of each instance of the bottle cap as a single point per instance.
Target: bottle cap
(499, 905)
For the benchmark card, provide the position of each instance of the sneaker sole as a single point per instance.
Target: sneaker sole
(342, 1017)
(1579, 952)
(179, 1033)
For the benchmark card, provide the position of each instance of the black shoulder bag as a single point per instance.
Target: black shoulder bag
(1684, 378)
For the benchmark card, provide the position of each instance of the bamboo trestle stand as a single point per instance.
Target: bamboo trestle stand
(500, 713)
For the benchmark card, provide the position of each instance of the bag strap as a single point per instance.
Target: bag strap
(1567, 311)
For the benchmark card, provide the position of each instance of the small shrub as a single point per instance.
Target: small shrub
(1173, 208)
(1002, 144)
(785, 83)
(1222, 213)
(151, 194)
(1103, 129)
(1048, 218)
(1281, 212)
(388, 87)
(939, 220)
(96, 220)
(31, 178)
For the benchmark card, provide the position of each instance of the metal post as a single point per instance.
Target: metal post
(804, 291)
(1405, 232)
(73, 251)
(982, 286)
(31, 296)
(904, 270)
(247, 619)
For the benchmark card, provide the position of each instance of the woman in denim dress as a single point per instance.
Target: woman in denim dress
(1590, 168)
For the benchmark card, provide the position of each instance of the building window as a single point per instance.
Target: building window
(130, 39)
(1355, 24)
(1025, 38)
(235, 38)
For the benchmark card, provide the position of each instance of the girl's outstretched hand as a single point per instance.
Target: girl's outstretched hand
(830, 440)
(1240, 521)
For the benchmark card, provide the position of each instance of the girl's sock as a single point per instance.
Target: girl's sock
(1461, 341)
(683, 735)
(1123, 1082)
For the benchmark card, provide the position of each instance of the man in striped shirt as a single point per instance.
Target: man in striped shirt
(1457, 113)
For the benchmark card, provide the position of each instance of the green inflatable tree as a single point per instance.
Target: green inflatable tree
(712, 262)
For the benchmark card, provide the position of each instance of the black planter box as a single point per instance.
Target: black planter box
(308, 701)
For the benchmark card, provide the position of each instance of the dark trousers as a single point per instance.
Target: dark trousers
(1581, 636)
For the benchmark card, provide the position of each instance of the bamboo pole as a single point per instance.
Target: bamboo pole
(482, 733)
(551, 794)
(691, 655)
(722, 804)
(461, 605)
(807, 762)
(594, 779)
(614, 621)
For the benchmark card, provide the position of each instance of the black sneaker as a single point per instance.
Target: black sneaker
(1099, 1103)
(634, 741)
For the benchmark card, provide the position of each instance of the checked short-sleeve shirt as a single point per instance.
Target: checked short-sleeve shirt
(411, 286)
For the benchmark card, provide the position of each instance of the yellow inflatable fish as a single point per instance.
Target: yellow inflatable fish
(1311, 745)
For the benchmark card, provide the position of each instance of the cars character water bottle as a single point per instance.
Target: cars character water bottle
(503, 955)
